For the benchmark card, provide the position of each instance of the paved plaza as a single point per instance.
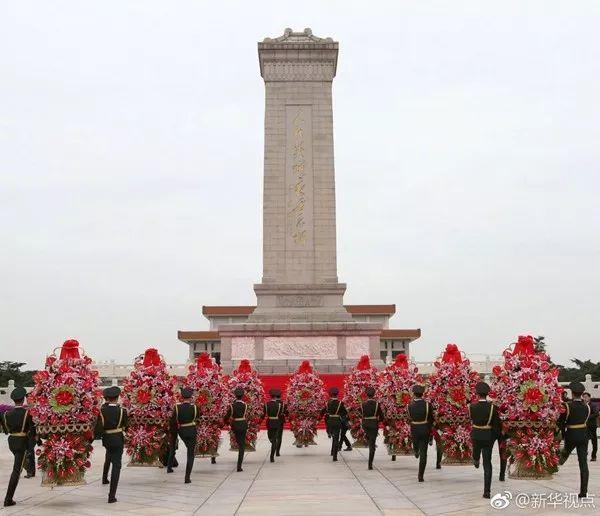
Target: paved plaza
(302, 481)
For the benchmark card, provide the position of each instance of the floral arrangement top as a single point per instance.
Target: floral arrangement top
(355, 385)
(211, 394)
(149, 390)
(305, 393)
(452, 385)
(67, 390)
(394, 389)
(526, 387)
(254, 395)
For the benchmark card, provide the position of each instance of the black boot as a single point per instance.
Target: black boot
(213, 460)
(393, 458)
(114, 483)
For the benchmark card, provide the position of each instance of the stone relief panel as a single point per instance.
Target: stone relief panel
(298, 71)
(357, 346)
(242, 347)
(298, 348)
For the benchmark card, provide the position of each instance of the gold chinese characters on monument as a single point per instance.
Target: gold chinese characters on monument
(299, 176)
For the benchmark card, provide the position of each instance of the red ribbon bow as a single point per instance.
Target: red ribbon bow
(305, 367)
(204, 361)
(151, 357)
(401, 361)
(452, 354)
(525, 345)
(364, 363)
(70, 349)
(244, 366)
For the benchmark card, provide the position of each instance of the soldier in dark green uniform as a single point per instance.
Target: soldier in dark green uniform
(485, 429)
(334, 413)
(183, 423)
(592, 425)
(110, 425)
(371, 416)
(574, 422)
(16, 423)
(420, 413)
(236, 417)
(272, 413)
(282, 415)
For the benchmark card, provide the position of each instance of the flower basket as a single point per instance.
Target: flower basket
(212, 398)
(355, 385)
(254, 396)
(529, 402)
(65, 403)
(149, 398)
(305, 402)
(451, 390)
(394, 392)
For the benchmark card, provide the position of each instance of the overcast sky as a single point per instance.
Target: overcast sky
(467, 148)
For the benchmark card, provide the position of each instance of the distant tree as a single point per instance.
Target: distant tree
(577, 374)
(12, 371)
(540, 344)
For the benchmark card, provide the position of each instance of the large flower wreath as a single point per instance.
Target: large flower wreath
(451, 390)
(212, 397)
(394, 392)
(149, 398)
(529, 402)
(65, 403)
(254, 395)
(305, 402)
(355, 386)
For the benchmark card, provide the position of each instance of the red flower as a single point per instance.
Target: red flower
(457, 395)
(64, 397)
(202, 398)
(496, 370)
(405, 398)
(143, 397)
(533, 396)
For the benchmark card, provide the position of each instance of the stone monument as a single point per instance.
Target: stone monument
(300, 312)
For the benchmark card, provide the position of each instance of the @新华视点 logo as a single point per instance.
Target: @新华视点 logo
(501, 500)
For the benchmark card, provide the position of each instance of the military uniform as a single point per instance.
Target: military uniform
(17, 423)
(335, 412)
(273, 409)
(574, 422)
(30, 457)
(183, 423)
(485, 429)
(110, 425)
(236, 416)
(282, 414)
(592, 425)
(371, 416)
(420, 413)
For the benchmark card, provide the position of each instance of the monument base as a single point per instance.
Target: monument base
(279, 348)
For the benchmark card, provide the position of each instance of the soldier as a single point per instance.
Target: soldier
(592, 425)
(17, 424)
(485, 429)
(334, 413)
(183, 423)
(343, 437)
(236, 417)
(272, 413)
(420, 413)
(110, 426)
(371, 416)
(574, 422)
(282, 415)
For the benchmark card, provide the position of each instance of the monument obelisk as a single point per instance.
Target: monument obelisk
(300, 312)
(299, 231)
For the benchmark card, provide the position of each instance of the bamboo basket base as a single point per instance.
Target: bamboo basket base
(75, 480)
